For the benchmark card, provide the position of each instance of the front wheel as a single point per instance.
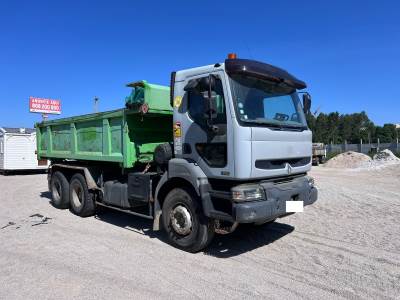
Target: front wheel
(186, 226)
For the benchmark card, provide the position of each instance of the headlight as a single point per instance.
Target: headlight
(310, 181)
(247, 192)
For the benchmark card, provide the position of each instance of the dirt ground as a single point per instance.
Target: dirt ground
(347, 245)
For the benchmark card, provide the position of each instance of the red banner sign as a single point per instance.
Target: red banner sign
(46, 106)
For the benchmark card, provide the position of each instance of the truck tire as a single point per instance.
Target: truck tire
(59, 189)
(183, 220)
(162, 154)
(81, 200)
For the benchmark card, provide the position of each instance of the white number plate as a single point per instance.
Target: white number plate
(294, 206)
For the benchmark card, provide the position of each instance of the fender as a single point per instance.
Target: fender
(189, 171)
(88, 176)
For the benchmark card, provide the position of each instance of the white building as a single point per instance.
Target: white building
(18, 150)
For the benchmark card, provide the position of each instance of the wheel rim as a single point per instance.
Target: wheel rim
(181, 220)
(77, 194)
(56, 190)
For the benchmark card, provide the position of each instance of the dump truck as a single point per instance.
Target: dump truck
(318, 153)
(224, 144)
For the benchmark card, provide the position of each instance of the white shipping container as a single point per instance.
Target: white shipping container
(18, 150)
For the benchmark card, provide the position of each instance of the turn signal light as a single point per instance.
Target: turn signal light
(232, 56)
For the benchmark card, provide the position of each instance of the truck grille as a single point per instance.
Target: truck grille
(274, 164)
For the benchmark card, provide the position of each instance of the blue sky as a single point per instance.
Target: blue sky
(347, 51)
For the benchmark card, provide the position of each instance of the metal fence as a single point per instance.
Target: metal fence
(363, 148)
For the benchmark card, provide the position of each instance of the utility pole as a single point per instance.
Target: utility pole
(96, 100)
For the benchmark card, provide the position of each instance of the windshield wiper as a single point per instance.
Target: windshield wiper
(294, 126)
(270, 124)
(277, 125)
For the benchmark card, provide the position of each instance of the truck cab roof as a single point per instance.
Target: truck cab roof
(246, 66)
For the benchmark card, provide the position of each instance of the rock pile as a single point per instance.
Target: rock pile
(386, 156)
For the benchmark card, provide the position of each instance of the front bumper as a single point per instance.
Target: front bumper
(275, 204)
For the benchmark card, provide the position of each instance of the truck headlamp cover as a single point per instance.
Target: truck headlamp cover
(247, 192)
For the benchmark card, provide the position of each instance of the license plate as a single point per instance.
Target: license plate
(294, 206)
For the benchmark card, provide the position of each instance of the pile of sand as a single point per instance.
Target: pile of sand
(356, 160)
(349, 160)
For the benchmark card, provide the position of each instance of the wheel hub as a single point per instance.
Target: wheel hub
(181, 220)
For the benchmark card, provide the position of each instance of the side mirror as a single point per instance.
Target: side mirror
(306, 103)
(210, 105)
(191, 85)
(207, 83)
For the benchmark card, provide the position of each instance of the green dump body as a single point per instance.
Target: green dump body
(126, 136)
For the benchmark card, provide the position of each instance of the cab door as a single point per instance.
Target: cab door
(210, 149)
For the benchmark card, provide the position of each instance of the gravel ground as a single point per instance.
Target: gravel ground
(344, 246)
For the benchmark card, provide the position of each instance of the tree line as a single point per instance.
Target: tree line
(337, 128)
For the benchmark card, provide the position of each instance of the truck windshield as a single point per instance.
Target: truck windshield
(263, 103)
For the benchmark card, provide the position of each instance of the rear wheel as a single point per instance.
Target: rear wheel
(59, 189)
(81, 200)
(186, 226)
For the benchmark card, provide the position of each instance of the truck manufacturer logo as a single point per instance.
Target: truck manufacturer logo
(289, 169)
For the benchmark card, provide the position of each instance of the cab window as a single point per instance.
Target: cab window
(196, 105)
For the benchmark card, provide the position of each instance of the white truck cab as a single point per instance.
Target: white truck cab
(242, 142)
(260, 127)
